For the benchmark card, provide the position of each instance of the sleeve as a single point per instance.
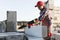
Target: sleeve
(49, 16)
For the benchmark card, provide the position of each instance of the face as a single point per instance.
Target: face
(40, 7)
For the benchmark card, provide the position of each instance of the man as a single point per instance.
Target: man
(44, 17)
(42, 8)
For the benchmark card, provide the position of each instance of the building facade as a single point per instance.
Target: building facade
(54, 12)
(11, 21)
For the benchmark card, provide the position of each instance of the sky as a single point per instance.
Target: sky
(25, 9)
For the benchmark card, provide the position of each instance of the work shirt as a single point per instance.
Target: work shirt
(43, 11)
(44, 18)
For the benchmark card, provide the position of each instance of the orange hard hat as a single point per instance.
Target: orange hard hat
(39, 3)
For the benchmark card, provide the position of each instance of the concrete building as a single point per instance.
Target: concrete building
(11, 21)
(54, 12)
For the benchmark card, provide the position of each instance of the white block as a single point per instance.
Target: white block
(36, 31)
(14, 38)
(34, 38)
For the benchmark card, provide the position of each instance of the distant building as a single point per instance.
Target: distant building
(22, 23)
(54, 12)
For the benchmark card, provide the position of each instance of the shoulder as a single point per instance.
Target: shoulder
(45, 8)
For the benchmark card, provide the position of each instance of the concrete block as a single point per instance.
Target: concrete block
(34, 38)
(14, 37)
(37, 31)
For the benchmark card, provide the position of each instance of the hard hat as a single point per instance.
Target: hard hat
(39, 3)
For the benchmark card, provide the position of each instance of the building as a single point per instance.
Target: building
(11, 21)
(54, 12)
(22, 23)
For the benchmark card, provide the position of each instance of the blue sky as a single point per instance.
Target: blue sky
(25, 9)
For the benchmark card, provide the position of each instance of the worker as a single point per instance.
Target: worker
(44, 16)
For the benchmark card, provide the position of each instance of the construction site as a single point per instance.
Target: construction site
(11, 29)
